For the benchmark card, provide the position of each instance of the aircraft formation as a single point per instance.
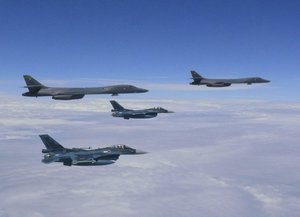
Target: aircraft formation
(55, 152)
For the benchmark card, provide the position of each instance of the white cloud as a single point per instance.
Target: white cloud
(235, 158)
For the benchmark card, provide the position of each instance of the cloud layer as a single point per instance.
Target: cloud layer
(237, 158)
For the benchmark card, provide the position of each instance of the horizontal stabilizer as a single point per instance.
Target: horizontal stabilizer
(32, 84)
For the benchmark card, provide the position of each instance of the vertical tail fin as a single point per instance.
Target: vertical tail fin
(51, 144)
(32, 84)
(195, 75)
(116, 106)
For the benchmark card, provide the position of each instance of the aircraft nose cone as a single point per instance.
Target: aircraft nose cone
(140, 152)
(143, 90)
(267, 81)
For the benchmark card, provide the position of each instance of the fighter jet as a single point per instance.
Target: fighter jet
(120, 111)
(55, 152)
(36, 89)
(199, 80)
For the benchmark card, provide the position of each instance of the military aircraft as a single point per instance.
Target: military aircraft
(36, 89)
(120, 111)
(199, 80)
(55, 152)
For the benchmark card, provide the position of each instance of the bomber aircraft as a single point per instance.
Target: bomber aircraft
(120, 111)
(55, 152)
(36, 89)
(199, 80)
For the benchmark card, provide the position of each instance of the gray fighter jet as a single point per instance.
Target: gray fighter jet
(199, 80)
(55, 152)
(37, 89)
(120, 111)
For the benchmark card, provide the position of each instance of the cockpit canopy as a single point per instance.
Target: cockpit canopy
(161, 109)
(256, 79)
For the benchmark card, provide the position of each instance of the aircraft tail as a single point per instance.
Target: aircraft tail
(51, 144)
(116, 106)
(32, 84)
(195, 75)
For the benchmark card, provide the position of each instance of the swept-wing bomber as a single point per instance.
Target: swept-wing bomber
(55, 152)
(199, 80)
(37, 89)
(120, 111)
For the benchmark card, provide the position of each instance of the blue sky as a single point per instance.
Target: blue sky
(153, 42)
(224, 152)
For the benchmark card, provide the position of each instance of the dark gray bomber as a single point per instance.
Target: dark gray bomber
(36, 89)
(55, 152)
(199, 80)
(120, 111)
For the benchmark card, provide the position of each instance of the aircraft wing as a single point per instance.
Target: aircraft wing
(108, 157)
(68, 97)
(143, 113)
